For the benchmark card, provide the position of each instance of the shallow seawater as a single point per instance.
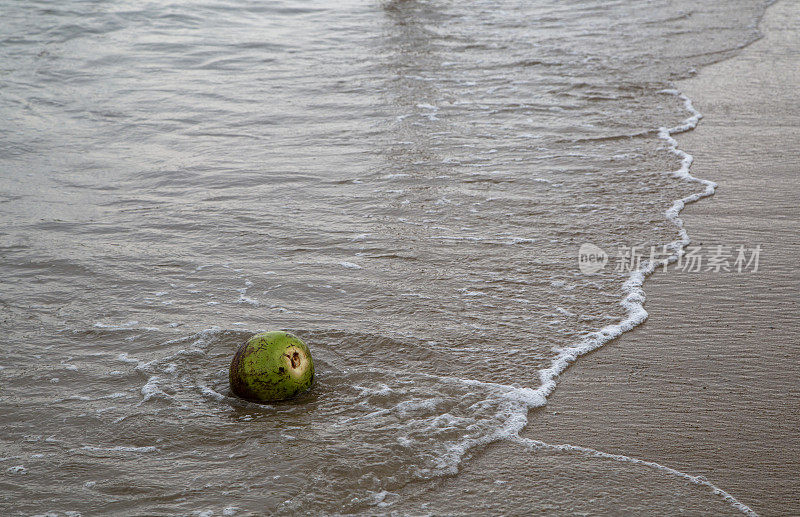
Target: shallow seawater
(405, 185)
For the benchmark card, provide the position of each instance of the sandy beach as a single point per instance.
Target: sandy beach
(709, 384)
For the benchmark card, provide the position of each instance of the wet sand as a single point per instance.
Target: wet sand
(710, 383)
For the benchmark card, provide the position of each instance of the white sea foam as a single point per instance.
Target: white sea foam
(382, 389)
(127, 324)
(409, 407)
(121, 448)
(633, 300)
(247, 300)
(697, 480)
(210, 393)
(152, 390)
(382, 499)
(85, 398)
(124, 357)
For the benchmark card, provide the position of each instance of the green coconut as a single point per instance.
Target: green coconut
(271, 366)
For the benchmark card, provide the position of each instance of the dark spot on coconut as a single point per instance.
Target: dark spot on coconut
(295, 360)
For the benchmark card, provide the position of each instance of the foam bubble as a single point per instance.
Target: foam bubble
(121, 448)
(210, 393)
(151, 390)
(246, 299)
(112, 326)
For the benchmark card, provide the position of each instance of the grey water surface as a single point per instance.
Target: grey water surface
(403, 184)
